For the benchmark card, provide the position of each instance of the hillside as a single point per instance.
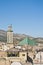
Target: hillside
(18, 37)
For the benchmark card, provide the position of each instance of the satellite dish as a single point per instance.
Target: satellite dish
(16, 63)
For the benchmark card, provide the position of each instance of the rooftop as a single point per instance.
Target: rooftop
(27, 41)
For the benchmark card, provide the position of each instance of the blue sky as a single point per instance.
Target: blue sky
(26, 16)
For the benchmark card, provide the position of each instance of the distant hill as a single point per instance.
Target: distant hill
(3, 36)
(18, 37)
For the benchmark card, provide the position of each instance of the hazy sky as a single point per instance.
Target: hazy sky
(26, 16)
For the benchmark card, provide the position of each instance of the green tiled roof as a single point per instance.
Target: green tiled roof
(27, 41)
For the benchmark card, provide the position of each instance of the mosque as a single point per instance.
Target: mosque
(24, 52)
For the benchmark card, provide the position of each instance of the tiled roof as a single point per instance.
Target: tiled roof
(27, 41)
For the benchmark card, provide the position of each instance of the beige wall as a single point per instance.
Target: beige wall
(2, 61)
(10, 45)
(14, 59)
(23, 56)
(7, 60)
(3, 54)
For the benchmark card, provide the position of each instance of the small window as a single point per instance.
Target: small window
(23, 54)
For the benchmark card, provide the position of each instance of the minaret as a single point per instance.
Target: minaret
(10, 34)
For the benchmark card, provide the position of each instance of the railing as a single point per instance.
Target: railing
(14, 58)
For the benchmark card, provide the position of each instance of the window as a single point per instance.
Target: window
(23, 54)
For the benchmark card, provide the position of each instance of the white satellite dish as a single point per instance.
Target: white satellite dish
(16, 63)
